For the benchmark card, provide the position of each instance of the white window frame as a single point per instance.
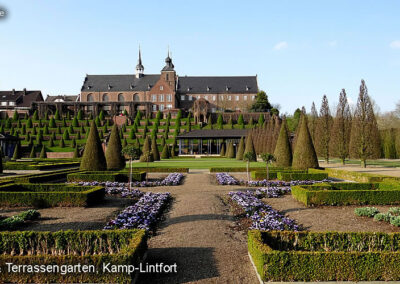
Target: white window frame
(253, 97)
(153, 98)
(229, 98)
(161, 107)
(183, 97)
(221, 98)
(4, 103)
(214, 98)
(190, 97)
(161, 97)
(206, 97)
(237, 98)
(12, 103)
(169, 106)
(161, 88)
(245, 98)
(154, 107)
(169, 98)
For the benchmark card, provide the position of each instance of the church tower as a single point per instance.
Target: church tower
(139, 66)
(168, 73)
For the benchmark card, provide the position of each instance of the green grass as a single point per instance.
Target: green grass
(199, 163)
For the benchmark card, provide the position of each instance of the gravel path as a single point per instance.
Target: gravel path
(198, 235)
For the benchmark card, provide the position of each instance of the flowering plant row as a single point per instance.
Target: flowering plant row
(226, 179)
(263, 216)
(143, 214)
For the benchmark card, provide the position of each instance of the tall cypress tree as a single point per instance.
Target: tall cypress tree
(364, 139)
(312, 122)
(283, 151)
(304, 155)
(231, 151)
(324, 126)
(114, 158)
(146, 151)
(93, 156)
(340, 135)
(250, 147)
(240, 150)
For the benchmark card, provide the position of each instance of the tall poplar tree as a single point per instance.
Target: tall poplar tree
(324, 126)
(312, 121)
(340, 135)
(364, 139)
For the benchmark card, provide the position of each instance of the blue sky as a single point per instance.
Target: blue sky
(300, 50)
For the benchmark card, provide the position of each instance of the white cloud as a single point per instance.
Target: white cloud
(332, 43)
(281, 45)
(395, 44)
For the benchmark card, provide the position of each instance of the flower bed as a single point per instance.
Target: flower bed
(392, 216)
(263, 216)
(325, 256)
(272, 192)
(347, 193)
(226, 179)
(63, 249)
(143, 214)
(17, 221)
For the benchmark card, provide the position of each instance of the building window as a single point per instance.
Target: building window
(3, 103)
(229, 98)
(105, 98)
(121, 98)
(166, 77)
(169, 98)
(154, 107)
(169, 106)
(213, 110)
(161, 107)
(90, 98)
(153, 98)
(198, 97)
(12, 103)
(221, 98)
(206, 97)
(182, 97)
(245, 98)
(214, 98)
(136, 98)
(161, 88)
(237, 98)
(161, 98)
(253, 97)
(190, 97)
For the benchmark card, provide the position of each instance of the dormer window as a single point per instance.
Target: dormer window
(208, 88)
(188, 89)
(247, 88)
(109, 86)
(148, 87)
(131, 87)
(88, 87)
(161, 88)
(227, 88)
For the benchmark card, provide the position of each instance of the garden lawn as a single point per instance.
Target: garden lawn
(198, 163)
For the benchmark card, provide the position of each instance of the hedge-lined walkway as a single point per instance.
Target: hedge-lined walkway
(198, 235)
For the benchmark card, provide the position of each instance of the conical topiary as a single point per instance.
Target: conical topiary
(154, 150)
(43, 153)
(62, 143)
(240, 150)
(222, 152)
(114, 158)
(283, 151)
(231, 151)
(146, 151)
(76, 152)
(304, 155)
(51, 142)
(33, 153)
(250, 148)
(124, 143)
(165, 152)
(93, 156)
(17, 152)
(1, 160)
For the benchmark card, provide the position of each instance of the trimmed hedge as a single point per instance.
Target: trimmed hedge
(18, 220)
(355, 176)
(240, 169)
(105, 176)
(301, 176)
(68, 248)
(40, 177)
(25, 165)
(161, 169)
(261, 174)
(347, 194)
(50, 195)
(326, 256)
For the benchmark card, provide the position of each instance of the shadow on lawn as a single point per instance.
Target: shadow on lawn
(193, 264)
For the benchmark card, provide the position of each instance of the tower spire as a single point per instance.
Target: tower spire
(139, 66)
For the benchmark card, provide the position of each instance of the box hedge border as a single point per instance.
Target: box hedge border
(119, 247)
(160, 169)
(105, 176)
(50, 195)
(286, 263)
(355, 176)
(347, 194)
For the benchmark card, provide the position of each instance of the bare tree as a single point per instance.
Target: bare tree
(340, 136)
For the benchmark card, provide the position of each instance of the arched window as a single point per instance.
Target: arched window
(121, 98)
(105, 98)
(90, 98)
(136, 98)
